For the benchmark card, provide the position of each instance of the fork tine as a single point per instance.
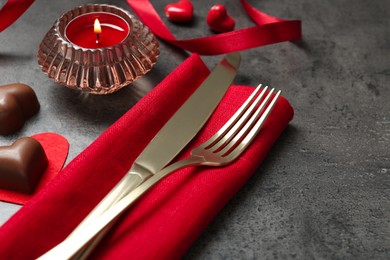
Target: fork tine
(226, 142)
(228, 125)
(244, 126)
(249, 131)
(262, 119)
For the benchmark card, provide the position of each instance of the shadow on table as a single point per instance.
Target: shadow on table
(12, 58)
(104, 108)
(256, 180)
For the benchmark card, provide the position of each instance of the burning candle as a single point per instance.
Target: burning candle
(97, 30)
(98, 49)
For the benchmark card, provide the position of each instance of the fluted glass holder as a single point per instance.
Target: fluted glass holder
(97, 70)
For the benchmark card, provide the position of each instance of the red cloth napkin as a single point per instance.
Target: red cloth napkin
(167, 220)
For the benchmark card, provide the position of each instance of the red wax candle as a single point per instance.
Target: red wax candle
(82, 31)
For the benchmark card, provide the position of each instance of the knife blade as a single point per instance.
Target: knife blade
(175, 134)
(189, 119)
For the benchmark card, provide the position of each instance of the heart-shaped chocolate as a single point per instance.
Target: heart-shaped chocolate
(22, 165)
(181, 11)
(18, 102)
(218, 19)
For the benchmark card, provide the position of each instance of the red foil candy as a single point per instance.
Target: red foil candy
(218, 19)
(179, 12)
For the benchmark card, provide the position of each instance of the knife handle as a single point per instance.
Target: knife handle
(77, 247)
(128, 183)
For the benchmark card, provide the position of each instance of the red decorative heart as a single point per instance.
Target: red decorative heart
(218, 19)
(56, 148)
(18, 103)
(181, 11)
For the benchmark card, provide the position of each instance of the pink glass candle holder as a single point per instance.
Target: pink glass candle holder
(98, 49)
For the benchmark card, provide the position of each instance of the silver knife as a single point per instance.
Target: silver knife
(174, 135)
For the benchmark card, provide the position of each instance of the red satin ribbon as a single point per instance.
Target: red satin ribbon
(268, 30)
(11, 11)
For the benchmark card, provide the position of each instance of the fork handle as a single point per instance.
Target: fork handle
(73, 245)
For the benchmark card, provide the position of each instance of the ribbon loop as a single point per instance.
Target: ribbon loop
(11, 11)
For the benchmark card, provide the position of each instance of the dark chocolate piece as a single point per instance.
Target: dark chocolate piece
(18, 103)
(22, 165)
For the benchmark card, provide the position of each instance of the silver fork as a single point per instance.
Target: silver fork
(222, 148)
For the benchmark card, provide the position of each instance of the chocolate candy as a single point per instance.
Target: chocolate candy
(22, 165)
(18, 102)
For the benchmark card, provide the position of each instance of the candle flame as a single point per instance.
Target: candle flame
(97, 28)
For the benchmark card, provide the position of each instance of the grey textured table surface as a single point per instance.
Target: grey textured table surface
(323, 192)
